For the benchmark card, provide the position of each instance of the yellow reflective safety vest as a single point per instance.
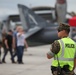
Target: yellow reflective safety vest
(66, 54)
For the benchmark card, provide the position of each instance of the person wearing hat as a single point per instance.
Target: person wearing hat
(64, 52)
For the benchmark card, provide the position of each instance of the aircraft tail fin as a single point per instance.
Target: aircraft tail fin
(29, 19)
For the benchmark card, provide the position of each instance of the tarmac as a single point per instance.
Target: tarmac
(35, 63)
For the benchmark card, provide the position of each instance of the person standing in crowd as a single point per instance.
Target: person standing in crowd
(4, 34)
(15, 41)
(0, 51)
(8, 46)
(21, 41)
(64, 52)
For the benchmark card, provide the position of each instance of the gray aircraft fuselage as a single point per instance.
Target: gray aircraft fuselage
(37, 29)
(45, 36)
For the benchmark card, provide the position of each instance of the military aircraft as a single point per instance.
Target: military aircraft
(37, 29)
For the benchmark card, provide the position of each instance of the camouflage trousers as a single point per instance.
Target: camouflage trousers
(63, 73)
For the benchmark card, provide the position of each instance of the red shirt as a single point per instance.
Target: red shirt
(61, 1)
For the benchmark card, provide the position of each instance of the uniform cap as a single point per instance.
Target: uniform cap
(64, 26)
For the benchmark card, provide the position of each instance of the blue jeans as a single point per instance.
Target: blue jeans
(15, 54)
(5, 53)
(20, 50)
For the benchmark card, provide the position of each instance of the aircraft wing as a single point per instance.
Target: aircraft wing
(32, 31)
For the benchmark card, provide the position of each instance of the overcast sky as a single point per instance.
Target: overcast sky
(10, 6)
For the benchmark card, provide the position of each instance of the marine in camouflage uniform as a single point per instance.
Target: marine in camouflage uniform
(55, 48)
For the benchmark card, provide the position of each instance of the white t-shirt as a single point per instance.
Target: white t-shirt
(20, 39)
